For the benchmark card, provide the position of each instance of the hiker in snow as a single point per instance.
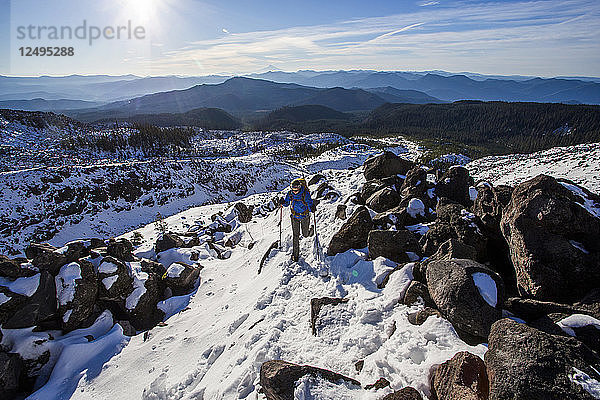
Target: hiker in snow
(301, 204)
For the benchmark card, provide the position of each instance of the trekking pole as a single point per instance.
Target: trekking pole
(280, 219)
(317, 244)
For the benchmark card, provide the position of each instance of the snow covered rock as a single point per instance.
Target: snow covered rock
(278, 378)
(167, 241)
(451, 248)
(40, 309)
(121, 249)
(181, 277)
(116, 284)
(455, 222)
(76, 291)
(464, 377)
(554, 239)
(11, 366)
(141, 303)
(13, 268)
(455, 184)
(415, 184)
(394, 245)
(353, 234)
(526, 363)
(384, 165)
(459, 298)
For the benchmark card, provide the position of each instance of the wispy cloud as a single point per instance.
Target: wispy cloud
(429, 3)
(534, 37)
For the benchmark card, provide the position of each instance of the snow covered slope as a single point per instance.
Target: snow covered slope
(214, 347)
(581, 164)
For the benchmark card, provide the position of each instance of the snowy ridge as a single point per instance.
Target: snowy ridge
(580, 164)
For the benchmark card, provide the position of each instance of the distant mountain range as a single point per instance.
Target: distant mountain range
(127, 95)
(245, 95)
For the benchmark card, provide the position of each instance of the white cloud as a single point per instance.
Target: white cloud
(225, 30)
(532, 37)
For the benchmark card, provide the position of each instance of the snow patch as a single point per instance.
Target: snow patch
(107, 268)
(487, 287)
(65, 282)
(591, 206)
(4, 298)
(589, 384)
(415, 207)
(175, 270)
(23, 286)
(577, 321)
(109, 281)
(139, 279)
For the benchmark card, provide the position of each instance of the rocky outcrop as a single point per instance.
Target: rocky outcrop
(386, 164)
(115, 282)
(121, 249)
(464, 377)
(455, 184)
(554, 240)
(278, 378)
(243, 212)
(141, 303)
(393, 245)
(451, 248)
(525, 363)
(353, 234)
(452, 288)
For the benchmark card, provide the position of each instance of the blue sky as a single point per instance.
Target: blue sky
(194, 37)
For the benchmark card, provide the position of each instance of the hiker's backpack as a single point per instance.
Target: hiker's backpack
(304, 192)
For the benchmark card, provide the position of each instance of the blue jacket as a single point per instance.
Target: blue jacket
(301, 203)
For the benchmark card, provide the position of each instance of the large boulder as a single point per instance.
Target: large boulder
(386, 164)
(115, 282)
(464, 377)
(353, 234)
(166, 241)
(76, 291)
(455, 184)
(526, 363)
(278, 378)
(407, 393)
(553, 232)
(40, 309)
(393, 245)
(467, 293)
(181, 277)
(383, 200)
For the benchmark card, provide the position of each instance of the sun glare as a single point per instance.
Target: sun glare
(142, 10)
